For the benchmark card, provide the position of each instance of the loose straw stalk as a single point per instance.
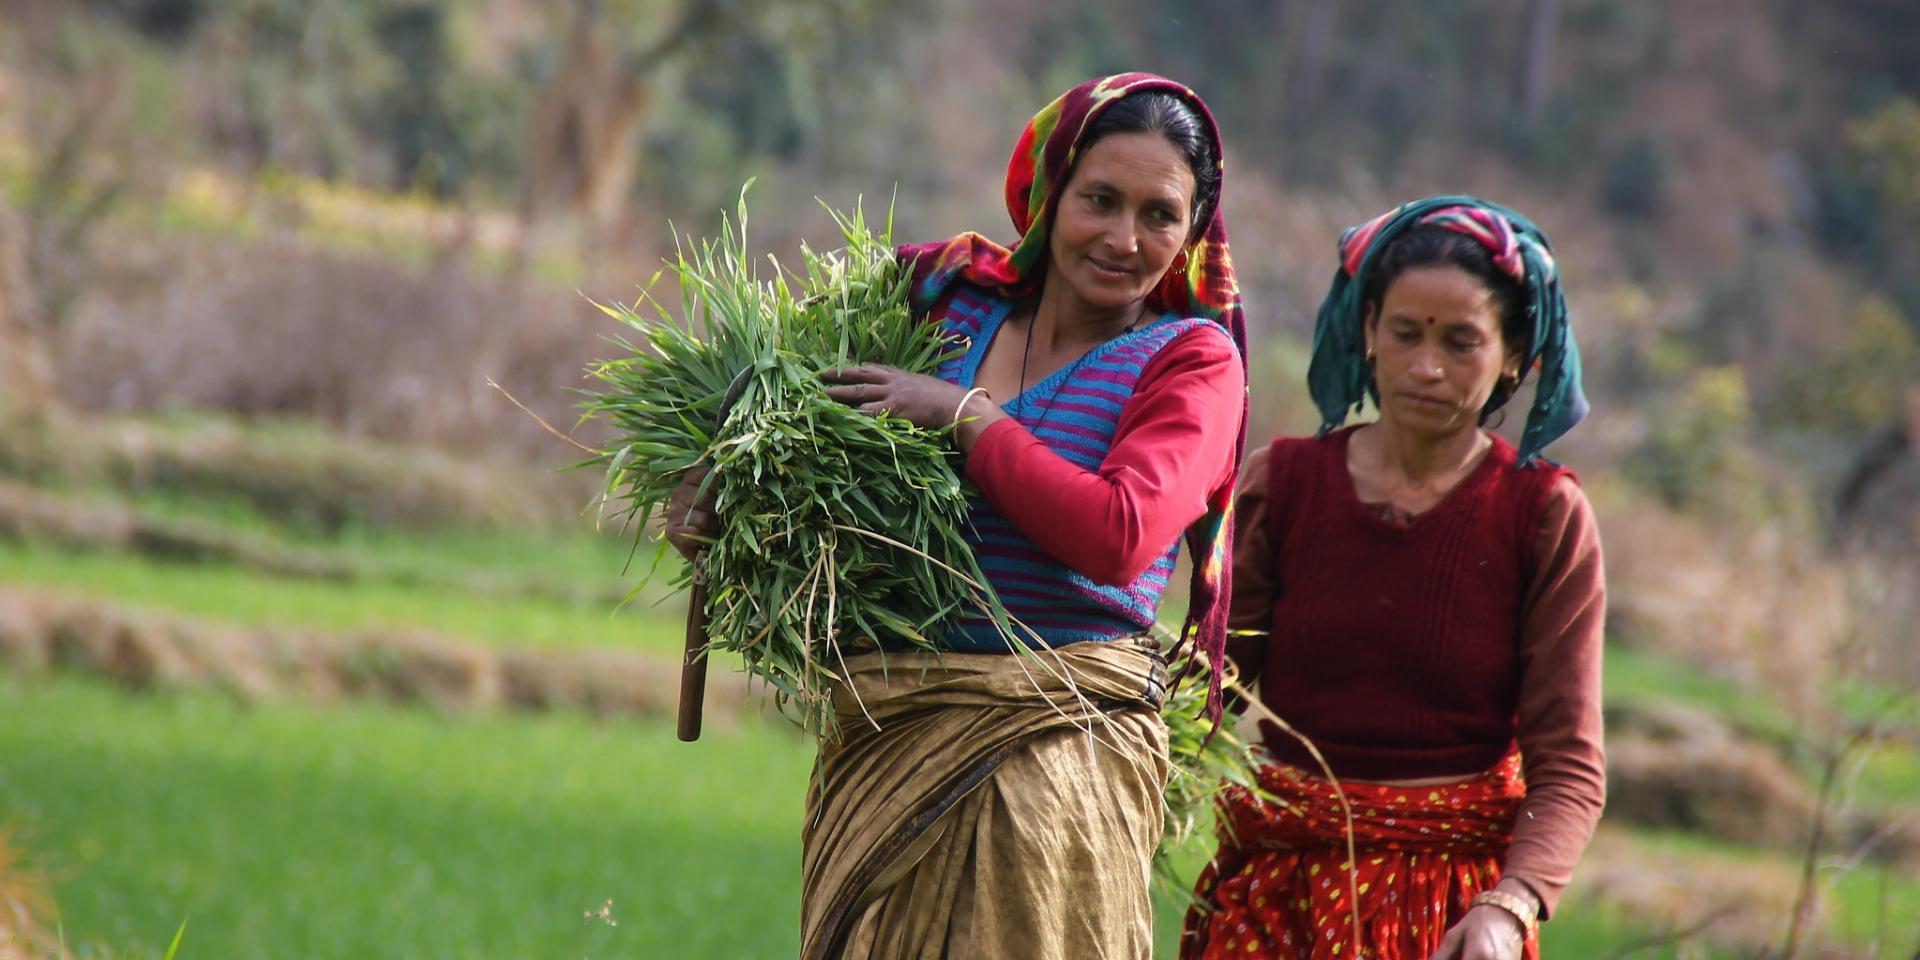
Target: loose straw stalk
(1261, 711)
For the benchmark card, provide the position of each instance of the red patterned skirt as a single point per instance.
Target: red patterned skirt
(1279, 886)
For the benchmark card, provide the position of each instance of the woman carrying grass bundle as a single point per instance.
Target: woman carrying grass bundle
(992, 803)
(1424, 603)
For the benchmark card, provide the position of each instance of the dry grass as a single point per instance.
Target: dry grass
(373, 347)
(1758, 606)
(1679, 767)
(296, 474)
(392, 357)
(75, 522)
(1659, 889)
(26, 904)
(36, 516)
(46, 630)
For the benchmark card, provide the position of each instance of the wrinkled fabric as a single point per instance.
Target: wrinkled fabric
(1280, 886)
(980, 806)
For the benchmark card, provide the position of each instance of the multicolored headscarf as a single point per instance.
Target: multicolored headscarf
(1205, 287)
(1339, 378)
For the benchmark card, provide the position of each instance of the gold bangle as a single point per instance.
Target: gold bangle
(962, 405)
(1521, 910)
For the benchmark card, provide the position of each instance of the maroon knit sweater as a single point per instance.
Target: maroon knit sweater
(1559, 613)
(1395, 647)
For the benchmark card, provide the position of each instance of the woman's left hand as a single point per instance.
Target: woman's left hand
(1485, 933)
(927, 401)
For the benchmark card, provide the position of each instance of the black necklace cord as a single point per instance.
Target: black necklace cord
(1026, 352)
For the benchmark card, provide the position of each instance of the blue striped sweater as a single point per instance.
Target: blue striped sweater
(1075, 412)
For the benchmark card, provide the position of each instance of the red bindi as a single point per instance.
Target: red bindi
(1429, 321)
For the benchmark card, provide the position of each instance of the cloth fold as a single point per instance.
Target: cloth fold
(980, 805)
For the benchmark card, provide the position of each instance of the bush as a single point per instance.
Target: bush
(1696, 454)
(1886, 146)
(1856, 382)
(1635, 187)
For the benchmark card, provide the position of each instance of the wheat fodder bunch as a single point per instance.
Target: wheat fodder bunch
(837, 529)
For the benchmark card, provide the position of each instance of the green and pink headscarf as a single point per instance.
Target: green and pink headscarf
(1339, 377)
(1200, 284)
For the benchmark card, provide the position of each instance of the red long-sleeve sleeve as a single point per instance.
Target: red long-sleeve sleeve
(1559, 716)
(1172, 448)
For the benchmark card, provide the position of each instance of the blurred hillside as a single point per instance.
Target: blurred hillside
(260, 258)
(359, 210)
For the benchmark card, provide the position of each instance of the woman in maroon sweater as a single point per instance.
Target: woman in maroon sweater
(1423, 602)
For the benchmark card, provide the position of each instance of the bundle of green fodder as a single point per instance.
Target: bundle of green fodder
(837, 528)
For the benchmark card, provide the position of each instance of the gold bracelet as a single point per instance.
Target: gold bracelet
(1521, 910)
(962, 405)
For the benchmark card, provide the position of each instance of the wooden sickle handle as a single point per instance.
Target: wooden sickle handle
(693, 665)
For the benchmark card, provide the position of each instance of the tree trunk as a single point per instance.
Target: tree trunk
(582, 137)
(26, 361)
(1536, 62)
(1312, 56)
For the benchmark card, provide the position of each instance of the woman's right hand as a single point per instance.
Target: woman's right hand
(690, 519)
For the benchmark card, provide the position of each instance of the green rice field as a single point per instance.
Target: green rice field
(369, 831)
(353, 830)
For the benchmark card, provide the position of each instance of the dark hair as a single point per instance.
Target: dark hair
(1156, 111)
(1432, 245)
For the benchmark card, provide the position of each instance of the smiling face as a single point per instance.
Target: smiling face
(1123, 217)
(1438, 353)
